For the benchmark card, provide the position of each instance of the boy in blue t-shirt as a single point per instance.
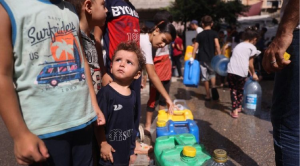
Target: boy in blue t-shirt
(41, 54)
(118, 103)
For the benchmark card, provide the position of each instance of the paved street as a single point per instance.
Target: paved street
(248, 139)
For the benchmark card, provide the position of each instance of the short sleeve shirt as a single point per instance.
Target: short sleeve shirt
(146, 48)
(239, 61)
(206, 41)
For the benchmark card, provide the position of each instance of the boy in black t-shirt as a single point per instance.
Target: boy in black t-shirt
(208, 43)
(118, 104)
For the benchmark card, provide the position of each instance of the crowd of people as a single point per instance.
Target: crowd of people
(70, 106)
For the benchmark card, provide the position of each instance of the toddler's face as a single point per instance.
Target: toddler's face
(125, 66)
(98, 12)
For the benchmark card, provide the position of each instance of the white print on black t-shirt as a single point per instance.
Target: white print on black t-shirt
(119, 135)
(117, 107)
(123, 10)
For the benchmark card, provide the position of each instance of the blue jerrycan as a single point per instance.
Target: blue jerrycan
(219, 64)
(191, 73)
(252, 97)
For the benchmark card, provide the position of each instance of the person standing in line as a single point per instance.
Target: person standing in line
(117, 101)
(208, 44)
(240, 64)
(177, 54)
(87, 21)
(285, 105)
(53, 104)
(194, 26)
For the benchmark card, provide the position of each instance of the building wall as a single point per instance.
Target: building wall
(267, 4)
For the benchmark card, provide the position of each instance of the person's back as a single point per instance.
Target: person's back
(206, 40)
(48, 72)
(122, 25)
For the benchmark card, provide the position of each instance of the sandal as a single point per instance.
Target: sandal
(143, 149)
(233, 115)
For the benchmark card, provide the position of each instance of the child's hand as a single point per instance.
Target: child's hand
(171, 107)
(254, 76)
(29, 148)
(105, 152)
(100, 118)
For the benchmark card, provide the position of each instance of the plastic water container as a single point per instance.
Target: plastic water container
(191, 73)
(188, 53)
(252, 97)
(219, 64)
(219, 159)
(179, 150)
(179, 127)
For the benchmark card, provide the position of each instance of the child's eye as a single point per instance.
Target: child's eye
(129, 62)
(118, 59)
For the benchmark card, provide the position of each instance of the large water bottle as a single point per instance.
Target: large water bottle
(252, 97)
(219, 64)
(219, 158)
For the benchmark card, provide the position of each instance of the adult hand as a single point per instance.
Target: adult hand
(106, 152)
(29, 148)
(106, 79)
(273, 57)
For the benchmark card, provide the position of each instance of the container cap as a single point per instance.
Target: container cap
(161, 123)
(189, 151)
(220, 155)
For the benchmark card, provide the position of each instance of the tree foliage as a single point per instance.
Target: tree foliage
(217, 9)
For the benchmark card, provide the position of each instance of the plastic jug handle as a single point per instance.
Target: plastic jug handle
(178, 112)
(190, 73)
(183, 102)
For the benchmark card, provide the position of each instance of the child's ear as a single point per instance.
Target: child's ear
(137, 75)
(88, 6)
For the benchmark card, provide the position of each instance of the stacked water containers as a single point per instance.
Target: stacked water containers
(177, 141)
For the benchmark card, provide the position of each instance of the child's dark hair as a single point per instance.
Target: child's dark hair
(166, 27)
(193, 40)
(206, 20)
(77, 5)
(250, 34)
(132, 46)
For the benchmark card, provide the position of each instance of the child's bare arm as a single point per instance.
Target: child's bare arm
(27, 146)
(195, 49)
(106, 79)
(251, 68)
(105, 148)
(217, 46)
(100, 116)
(158, 85)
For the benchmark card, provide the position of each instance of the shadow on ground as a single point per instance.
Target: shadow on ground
(213, 140)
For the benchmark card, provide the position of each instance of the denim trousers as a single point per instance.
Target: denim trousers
(285, 109)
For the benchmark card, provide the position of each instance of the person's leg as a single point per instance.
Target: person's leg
(178, 65)
(233, 94)
(240, 90)
(213, 82)
(59, 149)
(161, 99)
(205, 78)
(82, 147)
(150, 106)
